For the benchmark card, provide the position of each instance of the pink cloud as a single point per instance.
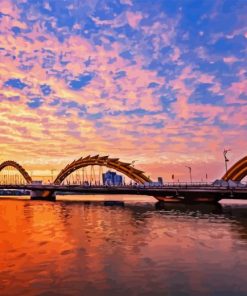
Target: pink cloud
(127, 2)
(8, 8)
(230, 60)
(176, 54)
(133, 18)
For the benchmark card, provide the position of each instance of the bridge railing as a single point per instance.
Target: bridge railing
(186, 184)
(150, 185)
(135, 186)
(157, 186)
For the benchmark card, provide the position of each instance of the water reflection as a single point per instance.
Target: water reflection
(77, 248)
(202, 208)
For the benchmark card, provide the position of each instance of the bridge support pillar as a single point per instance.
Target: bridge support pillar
(43, 195)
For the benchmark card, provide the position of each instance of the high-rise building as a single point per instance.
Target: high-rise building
(112, 178)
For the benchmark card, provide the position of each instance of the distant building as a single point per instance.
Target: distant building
(160, 180)
(37, 182)
(112, 178)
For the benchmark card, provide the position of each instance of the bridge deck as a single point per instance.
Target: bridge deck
(186, 191)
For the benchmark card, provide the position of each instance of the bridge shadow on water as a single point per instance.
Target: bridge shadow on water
(233, 212)
(234, 215)
(183, 207)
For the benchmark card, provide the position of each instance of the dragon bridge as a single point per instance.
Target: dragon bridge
(113, 163)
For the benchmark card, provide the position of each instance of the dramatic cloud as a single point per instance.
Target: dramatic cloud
(163, 82)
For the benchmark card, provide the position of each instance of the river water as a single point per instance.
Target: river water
(135, 247)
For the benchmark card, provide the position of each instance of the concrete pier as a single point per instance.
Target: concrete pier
(43, 195)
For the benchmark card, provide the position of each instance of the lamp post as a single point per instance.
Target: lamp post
(189, 168)
(52, 170)
(225, 157)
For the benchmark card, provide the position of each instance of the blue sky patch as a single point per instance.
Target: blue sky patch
(15, 83)
(203, 95)
(35, 103)
(81, 81)
(46, 89)
(120, 74)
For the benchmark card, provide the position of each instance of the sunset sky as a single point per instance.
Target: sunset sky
(159, 82)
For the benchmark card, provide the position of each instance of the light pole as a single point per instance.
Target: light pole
(225, 157)
(189, 168)
(52, 170)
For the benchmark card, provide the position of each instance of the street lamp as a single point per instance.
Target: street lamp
(189, 168)
(225, 157)
(52, 170)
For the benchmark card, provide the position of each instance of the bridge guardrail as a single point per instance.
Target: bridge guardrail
(181, 185)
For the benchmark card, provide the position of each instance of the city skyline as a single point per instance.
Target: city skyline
(163, 84)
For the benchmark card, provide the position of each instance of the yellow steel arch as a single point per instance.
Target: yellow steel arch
(238, 171)
(113, 163)
(18, 167)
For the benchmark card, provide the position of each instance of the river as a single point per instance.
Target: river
(135, 247)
